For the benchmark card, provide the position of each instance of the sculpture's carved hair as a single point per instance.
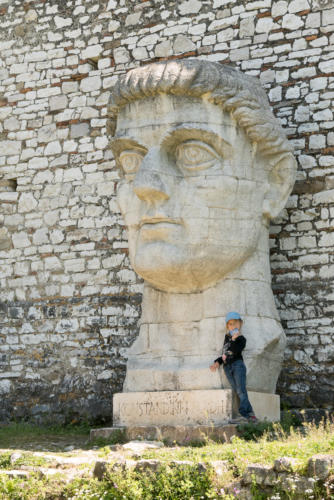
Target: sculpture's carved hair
(235, 92)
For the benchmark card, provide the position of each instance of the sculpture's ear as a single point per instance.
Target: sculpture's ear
(281, 180)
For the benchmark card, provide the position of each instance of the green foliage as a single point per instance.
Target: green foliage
(33, 488)
(255, 491)
(290, 419)
(254, 431)
(117, 437)
(18, 435)
(4, 460)
(167, 483)
(251, 431)
(31, 460)
(24, 429)
(185, 482)
(278, 441)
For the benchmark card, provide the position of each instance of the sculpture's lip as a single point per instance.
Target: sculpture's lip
(157, 220)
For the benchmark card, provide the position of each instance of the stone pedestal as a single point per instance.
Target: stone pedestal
(188, 408)
(182, 416)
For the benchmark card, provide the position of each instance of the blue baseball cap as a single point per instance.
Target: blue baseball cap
(232, 315)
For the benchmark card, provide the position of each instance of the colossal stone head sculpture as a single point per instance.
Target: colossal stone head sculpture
(204, 166)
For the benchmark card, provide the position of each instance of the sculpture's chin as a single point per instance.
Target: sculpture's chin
(160, 264)
(175, 269)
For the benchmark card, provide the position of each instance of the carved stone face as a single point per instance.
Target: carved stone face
(192, 194)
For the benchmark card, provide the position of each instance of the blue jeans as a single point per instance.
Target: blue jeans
(236, 375)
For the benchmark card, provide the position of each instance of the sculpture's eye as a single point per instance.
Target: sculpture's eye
(196, 155)
(130, 161)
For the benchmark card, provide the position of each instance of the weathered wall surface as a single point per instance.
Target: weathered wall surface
(69, 300)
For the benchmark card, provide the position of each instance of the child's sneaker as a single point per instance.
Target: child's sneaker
(252, 419)
(238, 420)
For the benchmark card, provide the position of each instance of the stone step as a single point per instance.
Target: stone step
(180, 434)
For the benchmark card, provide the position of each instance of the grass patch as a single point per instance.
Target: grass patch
(22, 435)
(259, 444)
(300, 443)
(25, 459)
(33, 488)
(30, 460)
(5, 460)
(255, 431)
(26, 429)
(167, 483)
(118, 436)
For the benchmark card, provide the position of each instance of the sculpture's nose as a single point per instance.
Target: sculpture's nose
(150, 183)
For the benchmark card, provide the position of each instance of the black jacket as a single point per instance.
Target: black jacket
(232, 349)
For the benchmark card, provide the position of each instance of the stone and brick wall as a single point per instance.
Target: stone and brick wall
(69, 301)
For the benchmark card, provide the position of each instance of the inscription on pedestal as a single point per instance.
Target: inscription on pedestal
(188, 407)
(149, 408)
(173, 408)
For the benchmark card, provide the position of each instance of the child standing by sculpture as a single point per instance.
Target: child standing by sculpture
(234, 366)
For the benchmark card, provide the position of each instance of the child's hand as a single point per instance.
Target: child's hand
(214, 366)
(236, 333)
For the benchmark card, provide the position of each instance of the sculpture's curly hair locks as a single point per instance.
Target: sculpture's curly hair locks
(233, 91)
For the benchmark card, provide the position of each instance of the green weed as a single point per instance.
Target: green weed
(118, 437)
(186, 482)
(4, 460)
(31, 460)
(301, 443)
(20, 435)
(167, 483)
